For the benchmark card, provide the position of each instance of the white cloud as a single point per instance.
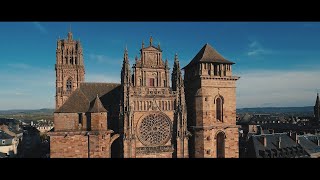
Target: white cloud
(40, 27)
(28, 87)
(254, 44)
(20, 66)
(104, 59)
(277, 88)
(102, 78)
(255, 49)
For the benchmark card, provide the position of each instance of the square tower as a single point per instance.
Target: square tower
(69, 68)
(210, 91)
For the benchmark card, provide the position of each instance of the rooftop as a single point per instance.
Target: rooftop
(208, 54)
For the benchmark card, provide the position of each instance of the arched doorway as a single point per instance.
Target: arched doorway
(220, 145)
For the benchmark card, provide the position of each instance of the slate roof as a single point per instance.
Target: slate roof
(82, 99)
(288, 148)
(208, 54)
(308, 142)
(3, 155)
(4, 135)
(246, 119)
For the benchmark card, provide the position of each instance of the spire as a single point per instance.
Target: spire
(142, 44)
(97, 106)
(70, 34)
(125, 57)
(150, 40)
(176, 77)
(159, 46)
(317, 101)
(125, 71)
(166, 64)
(176, 61)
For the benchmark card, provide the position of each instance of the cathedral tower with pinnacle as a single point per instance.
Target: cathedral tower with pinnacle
(152, 114)
(69, 68)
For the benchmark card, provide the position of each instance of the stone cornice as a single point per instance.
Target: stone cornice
(218, 126)
(84, 133)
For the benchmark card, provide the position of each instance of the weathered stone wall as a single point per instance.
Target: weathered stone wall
(72, 146)
(201, 94)
(75, 145)
(66, 121)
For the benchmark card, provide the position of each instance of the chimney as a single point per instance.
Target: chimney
(318, 142)
(294, 136)
(271, 131)
(279, 142)
(259, 130)
(264, 141)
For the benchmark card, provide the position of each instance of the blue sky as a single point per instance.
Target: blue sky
(278, 62)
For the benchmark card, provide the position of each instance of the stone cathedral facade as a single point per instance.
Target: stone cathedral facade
(144, 116)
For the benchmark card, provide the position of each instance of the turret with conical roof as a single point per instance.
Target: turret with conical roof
(97, 106)
(98, 115)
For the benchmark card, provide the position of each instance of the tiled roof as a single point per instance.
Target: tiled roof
(97, 106)
(81, 99)
(208, 54)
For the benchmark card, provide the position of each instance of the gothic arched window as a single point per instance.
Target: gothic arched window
(220, 145)
(69, 85)
(219, 109)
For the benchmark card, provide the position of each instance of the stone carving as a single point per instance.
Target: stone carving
(157, 149)
(154, 130)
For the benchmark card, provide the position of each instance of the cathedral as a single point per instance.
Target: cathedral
(144, 116)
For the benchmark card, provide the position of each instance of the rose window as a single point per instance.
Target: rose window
(154, 130)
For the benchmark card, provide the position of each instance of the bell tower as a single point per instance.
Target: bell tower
(69, 68)
(210, 90)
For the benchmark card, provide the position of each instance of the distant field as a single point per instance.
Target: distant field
(307, 109)
(32, 115)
